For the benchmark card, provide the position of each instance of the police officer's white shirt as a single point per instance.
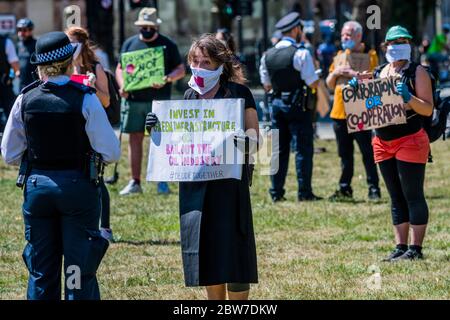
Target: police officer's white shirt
(98, 129)
(10, 51)
(302, 62)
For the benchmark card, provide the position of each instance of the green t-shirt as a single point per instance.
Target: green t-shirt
(438, 44)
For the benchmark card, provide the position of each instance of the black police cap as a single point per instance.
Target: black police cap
(288, 22)
(25, 23)
(52, 47)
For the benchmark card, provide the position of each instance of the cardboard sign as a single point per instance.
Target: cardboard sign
(357, 61)
(143, 68)
(193, 140)
(374, 104)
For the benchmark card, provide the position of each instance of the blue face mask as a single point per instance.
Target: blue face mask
(348, 44)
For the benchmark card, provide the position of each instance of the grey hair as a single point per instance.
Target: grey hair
(354, 25)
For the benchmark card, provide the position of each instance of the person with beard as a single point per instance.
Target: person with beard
(25, 48)
(136, 104)
(287, 69)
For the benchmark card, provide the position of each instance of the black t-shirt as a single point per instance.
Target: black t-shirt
(172, 59)
(24, 51)
(237, 91)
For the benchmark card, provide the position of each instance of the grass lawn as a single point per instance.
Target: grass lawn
(320, 250)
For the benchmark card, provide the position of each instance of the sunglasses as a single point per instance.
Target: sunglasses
(148, 28)
(23, 30)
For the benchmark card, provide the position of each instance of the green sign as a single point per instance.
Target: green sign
(143, 68)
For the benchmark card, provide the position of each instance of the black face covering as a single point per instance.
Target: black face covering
(148, 34)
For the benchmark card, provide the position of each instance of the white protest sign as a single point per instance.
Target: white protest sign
(374, 104)
(193, 140)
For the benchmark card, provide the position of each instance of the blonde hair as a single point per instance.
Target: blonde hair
(221, 54)
(54, 69)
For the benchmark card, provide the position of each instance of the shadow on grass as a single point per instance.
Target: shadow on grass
(149, 242)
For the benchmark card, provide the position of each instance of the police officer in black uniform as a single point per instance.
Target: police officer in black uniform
(8, 62)
(288, 69)
(53, 130)
(25, 48)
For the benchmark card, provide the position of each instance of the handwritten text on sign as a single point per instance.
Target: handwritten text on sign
(193, 140)
(143, 68)
(374, 104)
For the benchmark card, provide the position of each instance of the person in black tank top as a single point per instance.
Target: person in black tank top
(402, 150)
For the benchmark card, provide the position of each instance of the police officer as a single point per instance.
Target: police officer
(54, 124)
(8, 61)
(25, 48)
(287, 69)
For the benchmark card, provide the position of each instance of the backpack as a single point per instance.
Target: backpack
(434, 125)
(113, 110)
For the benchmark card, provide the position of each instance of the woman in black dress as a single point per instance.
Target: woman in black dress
(217, 238)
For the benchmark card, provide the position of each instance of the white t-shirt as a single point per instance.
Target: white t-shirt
(10, 51)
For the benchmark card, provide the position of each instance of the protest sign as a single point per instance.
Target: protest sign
(374, 104)
(356, 61)
(193, 140)
(143, 68)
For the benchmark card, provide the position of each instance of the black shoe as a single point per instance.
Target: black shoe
(278, 199)
(394, 254)
(342, 195)
(310, 197)
(410, 254)
(374, 194)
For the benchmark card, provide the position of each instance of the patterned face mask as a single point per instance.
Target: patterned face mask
(203, 80)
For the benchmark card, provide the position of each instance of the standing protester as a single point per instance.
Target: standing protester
(217, 238)
(402, 150)
(85, 62)
(288, 69)
(8, 60)
(137, 104)
(351, 36)
(54, 129)
(25, 48)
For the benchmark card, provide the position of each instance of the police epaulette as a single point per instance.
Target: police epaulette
(31, 86)
(82, 87)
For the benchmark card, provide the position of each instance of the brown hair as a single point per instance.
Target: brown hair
(88, 57)
(219, 53)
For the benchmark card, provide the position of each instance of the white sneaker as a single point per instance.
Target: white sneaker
(107, 234)
(132, 187)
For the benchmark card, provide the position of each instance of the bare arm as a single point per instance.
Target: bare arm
(101, 84)
(422, 102)
(175, 75)
(119, 79)
(16, 68)
(178, 73)
(315, 84)
(339, 72)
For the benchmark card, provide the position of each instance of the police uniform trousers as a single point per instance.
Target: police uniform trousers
(292, 123)
(61, 213)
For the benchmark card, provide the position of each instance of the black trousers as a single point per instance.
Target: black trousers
(345, 148)
(404, 182)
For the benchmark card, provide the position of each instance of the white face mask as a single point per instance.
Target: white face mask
(78, 50)
(398, 52)
(203, 80)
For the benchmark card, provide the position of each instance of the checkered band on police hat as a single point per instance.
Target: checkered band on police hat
(54, 55)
